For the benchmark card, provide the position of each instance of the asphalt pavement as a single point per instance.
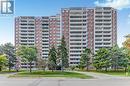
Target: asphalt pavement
(98, 80)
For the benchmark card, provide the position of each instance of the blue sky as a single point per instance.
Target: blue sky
(52, 7)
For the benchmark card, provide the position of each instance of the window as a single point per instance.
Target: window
(106, 39)
(75, 16)
(98, 35)
(106, 35)
(98, 43)
(107, 43)
(74, 59)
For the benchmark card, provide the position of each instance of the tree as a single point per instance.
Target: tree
(3, 61)
(115, 56)
(41, 63)
(124, 58)
(29, 53)
(85, 58)
(59, 61)
(52, 60)
(9, 50)
(126, 43)
(119, 57)
(1, 50)
(102, 59)
(63, 54)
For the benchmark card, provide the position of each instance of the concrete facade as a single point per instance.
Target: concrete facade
(82, 27)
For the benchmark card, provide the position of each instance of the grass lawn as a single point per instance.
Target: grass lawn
(117, 73)
(11, 71)
(51, 74)
(112, 72)
(7, 71)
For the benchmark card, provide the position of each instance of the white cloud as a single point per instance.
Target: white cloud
(117, 4)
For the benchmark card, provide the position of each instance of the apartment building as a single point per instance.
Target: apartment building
(105, 27)
(55, 30)
(82, 28)
(24, 31)
(91, 28)
(42, 32)
(45, 36)
(74, 24)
